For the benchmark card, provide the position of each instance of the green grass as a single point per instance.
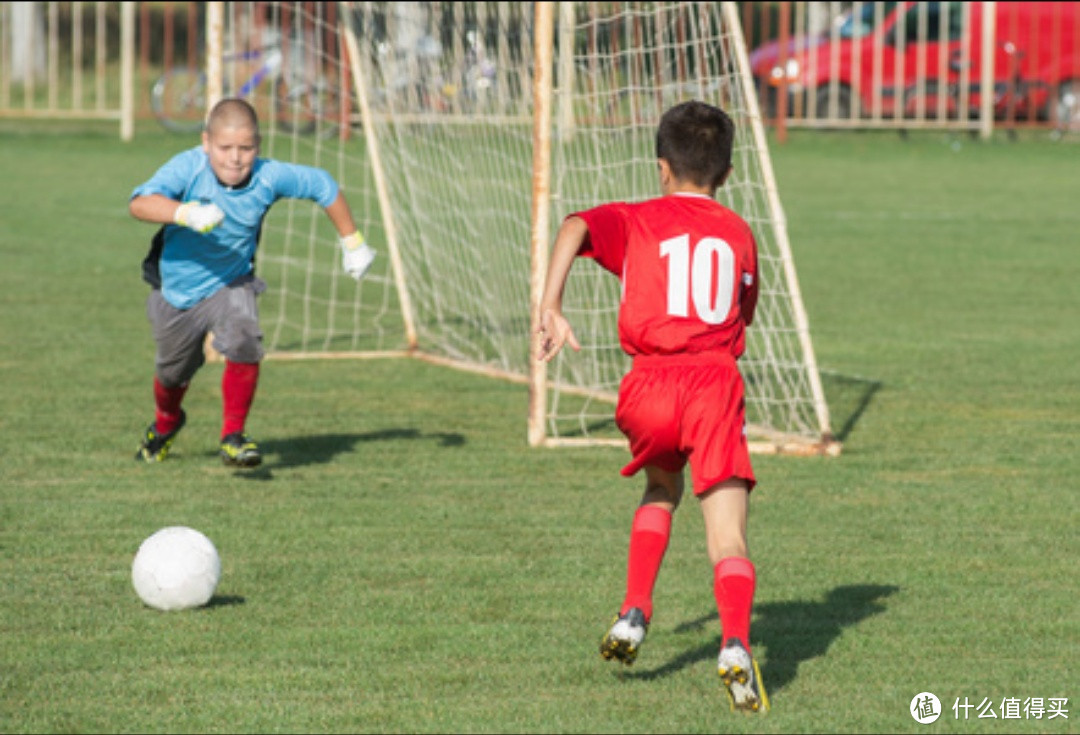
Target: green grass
(403, 562)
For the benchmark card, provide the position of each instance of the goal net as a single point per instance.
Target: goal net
(462, 133)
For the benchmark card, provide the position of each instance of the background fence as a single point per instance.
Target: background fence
(902, 65)
(68, 60)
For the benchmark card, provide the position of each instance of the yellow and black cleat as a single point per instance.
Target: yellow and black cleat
(154, 446)
(621, 643)
(742, 679)
(238, 450)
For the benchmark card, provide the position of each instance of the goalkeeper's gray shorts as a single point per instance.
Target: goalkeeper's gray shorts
(231, 315)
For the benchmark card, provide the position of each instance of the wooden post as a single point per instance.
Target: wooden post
(986, 96)
(782, 87)
(541, 202)
(127, 71)
(215, 33)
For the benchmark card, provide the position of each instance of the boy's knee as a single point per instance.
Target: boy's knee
(174, 375)
(662, 486)
(240, 341)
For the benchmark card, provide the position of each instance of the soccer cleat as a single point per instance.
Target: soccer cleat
(155, 446)
(238, 450)
(742, 678)
(626, 634)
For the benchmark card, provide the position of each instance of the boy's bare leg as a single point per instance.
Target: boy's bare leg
(725, 508)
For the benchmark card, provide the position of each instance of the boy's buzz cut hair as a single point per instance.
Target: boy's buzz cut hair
(696, 139)
(232, 112)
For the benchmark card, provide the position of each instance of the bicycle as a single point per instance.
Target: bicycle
(303, 98)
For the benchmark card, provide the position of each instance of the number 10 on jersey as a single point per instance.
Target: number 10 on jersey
(693, 277)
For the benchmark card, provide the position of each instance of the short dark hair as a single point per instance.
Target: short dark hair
(696, 139)
(232, 112)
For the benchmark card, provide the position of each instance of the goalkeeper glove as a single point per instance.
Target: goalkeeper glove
(356, 255)
(199, 217)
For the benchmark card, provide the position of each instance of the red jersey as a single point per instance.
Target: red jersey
(688, 267)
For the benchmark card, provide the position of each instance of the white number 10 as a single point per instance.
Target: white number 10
(711, 289)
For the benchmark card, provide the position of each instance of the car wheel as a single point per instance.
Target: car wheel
(1065, 113)
(829, 107)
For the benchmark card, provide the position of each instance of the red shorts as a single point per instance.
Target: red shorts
(679, 409)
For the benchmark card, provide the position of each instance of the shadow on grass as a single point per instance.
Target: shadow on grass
(848, 398)
(804, 629)
(311, 449)
(792, 632)
(225, 601)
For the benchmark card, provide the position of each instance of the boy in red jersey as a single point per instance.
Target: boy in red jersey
(688, 267)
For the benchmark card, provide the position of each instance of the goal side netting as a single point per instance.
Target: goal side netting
(462, 133)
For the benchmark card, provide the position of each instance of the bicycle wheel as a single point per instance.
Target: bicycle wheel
(178, 100)
(306, 107)
(1065, 110)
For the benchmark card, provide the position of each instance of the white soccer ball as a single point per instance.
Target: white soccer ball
(176, 568)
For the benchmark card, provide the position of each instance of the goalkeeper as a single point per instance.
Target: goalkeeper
(211, 201)
(688, 268)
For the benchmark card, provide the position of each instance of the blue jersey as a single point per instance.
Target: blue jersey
(194, 266)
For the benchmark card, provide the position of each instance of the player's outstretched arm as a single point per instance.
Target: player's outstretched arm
(356, 255)
(160, 209)
(341, 215)
(554, 329)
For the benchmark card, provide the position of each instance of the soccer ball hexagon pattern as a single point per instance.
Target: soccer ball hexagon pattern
(176, 568)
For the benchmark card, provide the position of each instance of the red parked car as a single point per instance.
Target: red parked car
(924, 59)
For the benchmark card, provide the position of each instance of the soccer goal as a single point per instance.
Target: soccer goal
(462, 134)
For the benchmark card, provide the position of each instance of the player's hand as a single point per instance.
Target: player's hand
(554, 332)
(356, 255)
(199, 217)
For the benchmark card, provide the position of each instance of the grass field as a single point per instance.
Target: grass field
(403, 562)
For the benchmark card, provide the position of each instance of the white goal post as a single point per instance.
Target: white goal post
(462, 133)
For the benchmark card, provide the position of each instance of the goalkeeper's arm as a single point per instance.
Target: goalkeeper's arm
(356, 255)
(160, 209)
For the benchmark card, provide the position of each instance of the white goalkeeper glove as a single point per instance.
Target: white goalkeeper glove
(356, 255)
(199, 217)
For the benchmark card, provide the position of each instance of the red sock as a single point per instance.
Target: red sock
(649, 535)
(238, 384)
(733, 584)
(167, 406)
